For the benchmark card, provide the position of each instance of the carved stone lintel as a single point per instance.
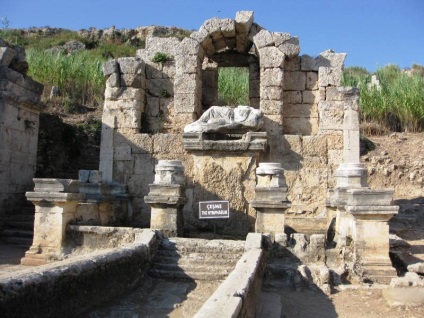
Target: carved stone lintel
(251, 141)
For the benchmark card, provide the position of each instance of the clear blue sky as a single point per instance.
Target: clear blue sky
(373, 33)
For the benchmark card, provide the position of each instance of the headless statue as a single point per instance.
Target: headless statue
(226, 119)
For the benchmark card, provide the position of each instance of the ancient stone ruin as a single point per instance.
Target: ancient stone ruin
(287, 163)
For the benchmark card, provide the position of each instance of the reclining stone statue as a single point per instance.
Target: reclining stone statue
(225, 119)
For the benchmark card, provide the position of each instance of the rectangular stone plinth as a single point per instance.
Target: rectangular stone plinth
(369, 197)
(271, 194)
(168, 219)
(269, 220)
(50, 221)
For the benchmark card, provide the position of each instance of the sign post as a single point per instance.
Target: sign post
(214, 210)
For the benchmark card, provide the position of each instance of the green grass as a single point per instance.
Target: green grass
(233, 86)
(78, 76)
(397, 105)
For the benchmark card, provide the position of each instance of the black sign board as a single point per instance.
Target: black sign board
(214, 210)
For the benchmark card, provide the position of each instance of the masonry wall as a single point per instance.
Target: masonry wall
(19, 117)
(300, 97)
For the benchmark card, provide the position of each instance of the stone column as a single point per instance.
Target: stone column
(270, 198)
(55, 203)
(167, 198)
(351, 173)
(371, 210)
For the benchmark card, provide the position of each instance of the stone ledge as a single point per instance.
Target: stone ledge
(251, 141)
(237, 295)
(101, 275)
(270, 205)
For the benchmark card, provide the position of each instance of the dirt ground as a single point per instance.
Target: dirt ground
(358, 303)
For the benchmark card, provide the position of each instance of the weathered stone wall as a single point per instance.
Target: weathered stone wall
(19, 117)
(67, 288)
(300, 97)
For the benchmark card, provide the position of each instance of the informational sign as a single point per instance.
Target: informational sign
(214, 210)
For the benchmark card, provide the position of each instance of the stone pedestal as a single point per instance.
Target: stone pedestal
(270, 198)
(371, 210)
(167, 198)
(55, 207)
(59, 202)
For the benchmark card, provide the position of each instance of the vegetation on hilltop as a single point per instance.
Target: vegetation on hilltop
(396, 104)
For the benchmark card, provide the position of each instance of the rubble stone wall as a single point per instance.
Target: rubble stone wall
(300, 96)
(19, 117)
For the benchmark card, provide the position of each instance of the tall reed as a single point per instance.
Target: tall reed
(233, 86)
(78, 76)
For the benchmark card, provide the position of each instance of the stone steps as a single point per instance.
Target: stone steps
(18, 228)
(196, 259)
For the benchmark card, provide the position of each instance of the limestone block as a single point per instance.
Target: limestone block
(294, 81)
(159, 87)
(292, 64)
(331, 115)
(335, 157)
(144, 165)
(153, 71)
(273, 124)
(169, 69)
(131, 80)
(271, 57)
(315, 146)
(188, 83)
(170, 46)
(114, 80)
(186, 103)
(168, 143)
(189, 46)
(290, 48)
(272, 76)
(342, 93)
(329, 77)
(110, 67)
(118, 93)
(83, 175)
(322, 93)
(271, 92)
(18, 92)
(271, 107)
(292, 97)
(244, 20)
(301, 125)
(152, 106)
(140, 143)
(300, 110)
(19, 79)
(6, 56)
(311, 81)
(127, 118)
(123, 104)
(131, 65)
(187, 64)
(310, 97)
(263, 39)
(122, 153)
(335, 141)
(368, 197)
(325, 59)
(202, 37)
(253, 241)
(280, 38)
(254, 29)
(95, 176)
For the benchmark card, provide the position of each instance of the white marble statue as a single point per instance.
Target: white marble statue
(227, 119)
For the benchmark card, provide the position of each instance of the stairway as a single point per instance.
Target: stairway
(18, 228)
(196, 259)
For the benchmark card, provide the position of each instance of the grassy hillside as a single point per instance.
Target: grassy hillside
(396, 104)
